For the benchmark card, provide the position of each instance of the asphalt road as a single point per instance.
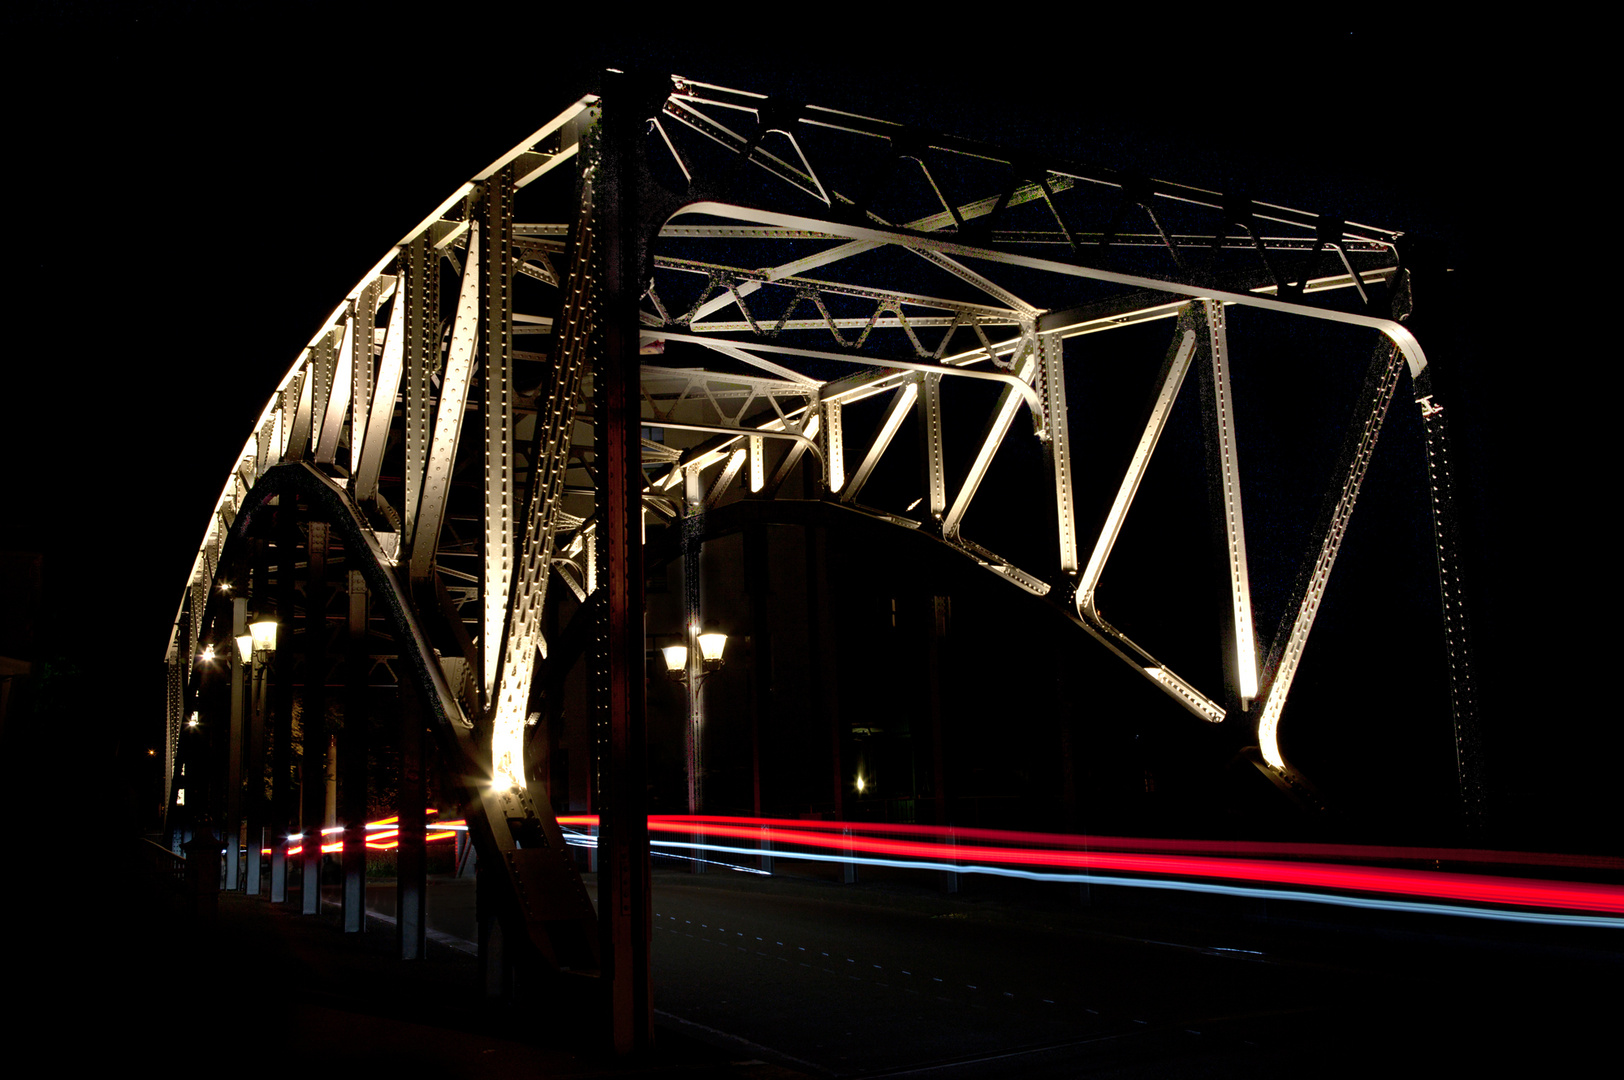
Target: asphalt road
(889, 978)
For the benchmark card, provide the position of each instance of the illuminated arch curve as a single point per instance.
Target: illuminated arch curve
(1005, 257)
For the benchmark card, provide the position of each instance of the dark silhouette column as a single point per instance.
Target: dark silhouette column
(313, 743)
(352, 757)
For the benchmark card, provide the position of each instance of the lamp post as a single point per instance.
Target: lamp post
(232, 821)
(262, 642)
(690, 666)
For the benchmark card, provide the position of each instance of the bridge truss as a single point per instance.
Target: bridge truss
(676, 295)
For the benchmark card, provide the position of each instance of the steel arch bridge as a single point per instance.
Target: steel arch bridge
(674, 296)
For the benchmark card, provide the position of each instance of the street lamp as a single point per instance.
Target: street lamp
(261, 644)
(712, 645)
(691, 669)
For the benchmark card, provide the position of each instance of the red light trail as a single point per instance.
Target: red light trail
(1172, 859)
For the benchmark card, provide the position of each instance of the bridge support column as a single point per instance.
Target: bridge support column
(619, 667)
(281, 699)
(411, 878)
(937, 618)
(313, 749)
(256, 738)
(693, 577)
(232, 825)
(353, 758)
(822, 663)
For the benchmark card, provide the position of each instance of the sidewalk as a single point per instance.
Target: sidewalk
(262, 991)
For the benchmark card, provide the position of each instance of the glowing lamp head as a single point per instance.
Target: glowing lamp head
(711, 647)
(245, 647)
(208, 654)
(676, 657)
(263, 631)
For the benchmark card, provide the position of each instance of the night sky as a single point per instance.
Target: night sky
(192, 192)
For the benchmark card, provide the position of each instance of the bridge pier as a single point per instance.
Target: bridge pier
(313, 745)
(411, 865)
(258, 590)
(232, 823)
(280, 676)
(352, 756)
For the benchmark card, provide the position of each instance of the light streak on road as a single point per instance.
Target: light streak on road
(382, 835)
(1204, 866)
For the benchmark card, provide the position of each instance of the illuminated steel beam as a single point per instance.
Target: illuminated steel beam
(448, 418)
(331, 400)
(831, 439)
(359, 344)
(1003, 415)
(1219, 418)
(930, 435)
(1051, 372)
(550, 464)
(421, 285)
(495, 272)
(896, 412)
(1359, 444)
(381, 410)
(1457, 627)
(298, 428)
(1168, 383)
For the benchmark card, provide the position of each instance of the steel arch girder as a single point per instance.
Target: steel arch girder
(547, 903)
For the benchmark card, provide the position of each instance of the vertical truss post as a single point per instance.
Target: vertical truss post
(1057, 426)
(287, 406)
(1457, 628)
(930, 442)
(623, 890)
(353, 756)
(381, 410)
(758, 463)
(313, 745)
(364, 313)
(195, 608)
(454, 385)
(332, 393)
(496, 288)
(298, 426)
(421, 293)
(266, 446)
(1224, 480)
(175, 713)
(833, 446)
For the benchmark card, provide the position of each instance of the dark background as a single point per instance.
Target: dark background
(191, 191)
